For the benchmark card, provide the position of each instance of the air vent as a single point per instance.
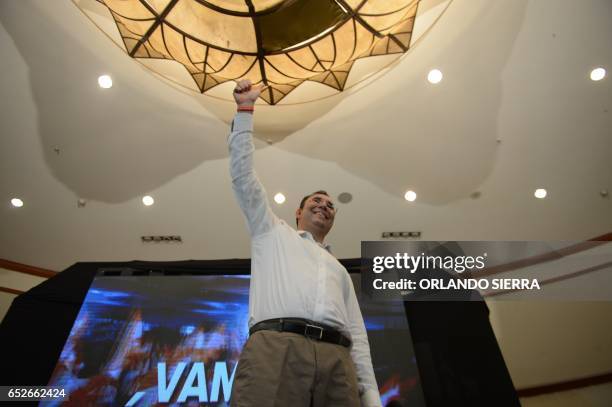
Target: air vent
(158, 239)
(401, 235)
(128, 271)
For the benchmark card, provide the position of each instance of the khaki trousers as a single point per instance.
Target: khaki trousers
(283, 369)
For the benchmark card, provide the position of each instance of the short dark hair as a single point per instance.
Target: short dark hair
(303, 201)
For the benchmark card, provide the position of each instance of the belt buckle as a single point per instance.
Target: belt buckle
(320, 334)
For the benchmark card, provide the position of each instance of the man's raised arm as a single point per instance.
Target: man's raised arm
(247, 187)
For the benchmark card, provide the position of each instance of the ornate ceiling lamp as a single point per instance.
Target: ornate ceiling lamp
(279, 42)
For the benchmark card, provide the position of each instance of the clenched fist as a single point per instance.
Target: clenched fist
(245, 93)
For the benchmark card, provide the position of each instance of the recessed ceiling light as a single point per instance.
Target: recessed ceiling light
(410, 196)
(148, 200)
(345, 197)
(598, 74)
(540, 193)
(16, 202)
(105, 81)
(279, 198)
(434, 76)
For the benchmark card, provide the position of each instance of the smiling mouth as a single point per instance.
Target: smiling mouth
(322, 215)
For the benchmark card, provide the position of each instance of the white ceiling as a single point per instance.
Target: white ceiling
(515, 111)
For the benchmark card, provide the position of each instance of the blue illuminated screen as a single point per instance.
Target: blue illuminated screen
(140, 341)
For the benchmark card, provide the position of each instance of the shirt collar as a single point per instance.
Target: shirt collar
(307, 235)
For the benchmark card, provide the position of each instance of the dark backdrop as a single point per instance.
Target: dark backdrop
(459, 361)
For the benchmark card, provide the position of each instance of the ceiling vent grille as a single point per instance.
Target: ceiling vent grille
(401, 235)
(162, 239)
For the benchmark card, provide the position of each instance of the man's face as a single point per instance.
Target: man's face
(318, 214)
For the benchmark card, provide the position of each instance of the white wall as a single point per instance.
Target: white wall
(592, 396)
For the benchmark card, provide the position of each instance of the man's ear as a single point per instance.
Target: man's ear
(298, 214)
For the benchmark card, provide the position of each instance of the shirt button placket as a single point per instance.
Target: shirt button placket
(320, 295)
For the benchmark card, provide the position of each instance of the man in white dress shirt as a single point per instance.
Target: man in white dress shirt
(308, 345)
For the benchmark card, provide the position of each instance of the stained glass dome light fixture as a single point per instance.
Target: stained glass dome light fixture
(281, 43)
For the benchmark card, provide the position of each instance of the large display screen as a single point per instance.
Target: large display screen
(176, 340)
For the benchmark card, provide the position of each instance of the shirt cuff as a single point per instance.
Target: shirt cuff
(243, 121)
(370, 398)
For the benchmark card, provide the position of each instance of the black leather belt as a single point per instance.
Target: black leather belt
(309, 329)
